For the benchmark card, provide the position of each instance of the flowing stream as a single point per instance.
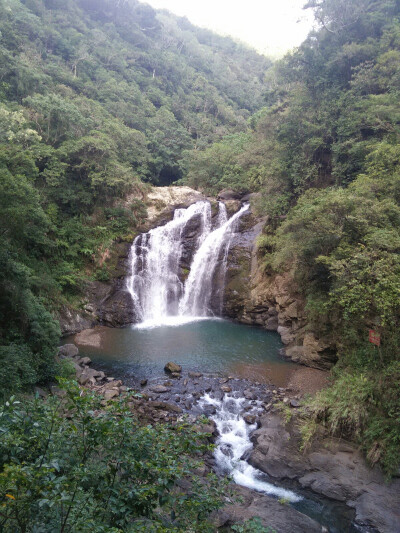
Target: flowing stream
(159, 296)
(234, 444)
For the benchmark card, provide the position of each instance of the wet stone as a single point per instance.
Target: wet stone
(250, 419)
(195, 375)
(159, 389)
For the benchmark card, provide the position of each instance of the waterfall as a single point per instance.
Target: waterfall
(158, 294)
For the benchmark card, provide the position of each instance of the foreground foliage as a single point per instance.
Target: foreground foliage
(69, 464)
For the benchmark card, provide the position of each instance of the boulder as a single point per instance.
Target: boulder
(172, 367)
(273, 514)
(68, 350)
(84, 361)
(228, 194)
(110, 394)
(333, 468)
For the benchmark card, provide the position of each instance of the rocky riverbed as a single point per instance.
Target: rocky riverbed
(332, 469)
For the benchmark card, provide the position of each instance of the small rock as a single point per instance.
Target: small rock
(83, 379)
(188, 405)
(250, 419)
(56, 391)
(294, 403)
(112, 385)
(68, 350)
(101, 376)
(143, 382)
(112, 393)
(84, 361)
(175, 375)
(40, 392)
(209, 410)
(249, 394)
(225, 388)
(286, 399)
(159, 389)
(172, 367)
(195, 375)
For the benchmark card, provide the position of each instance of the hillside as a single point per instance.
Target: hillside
(97, 98)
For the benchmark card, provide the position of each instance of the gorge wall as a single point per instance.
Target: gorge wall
(249, 295)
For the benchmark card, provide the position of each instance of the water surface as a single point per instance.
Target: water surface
(206, 345)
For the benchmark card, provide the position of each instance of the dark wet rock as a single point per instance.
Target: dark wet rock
(250, 419)
(332, 468)
(249, 394)
(226, 449)
(229, 194)
(143, 382)
(68, 350)
(176, 375)
(173, 367)
(209, 410)
(294, 403)
(166, 406)
(272, 513)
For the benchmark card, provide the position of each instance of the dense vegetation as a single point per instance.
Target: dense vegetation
(324, 154)
(99, 470)
(97, 99)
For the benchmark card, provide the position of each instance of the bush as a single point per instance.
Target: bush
(70, 465)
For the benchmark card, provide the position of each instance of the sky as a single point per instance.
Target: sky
(271, 26)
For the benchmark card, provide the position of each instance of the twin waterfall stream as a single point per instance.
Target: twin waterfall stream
(160, 298)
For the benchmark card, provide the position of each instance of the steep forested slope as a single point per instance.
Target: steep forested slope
(97, 97)
(325, 155)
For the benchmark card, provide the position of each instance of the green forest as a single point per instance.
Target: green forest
(103, 98)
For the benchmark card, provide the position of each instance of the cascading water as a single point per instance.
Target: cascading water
(199, 285)
(234, 442)
(158, 295)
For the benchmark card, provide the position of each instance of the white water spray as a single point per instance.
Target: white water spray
(234, 442)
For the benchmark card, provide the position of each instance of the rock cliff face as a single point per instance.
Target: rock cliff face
(272, 302)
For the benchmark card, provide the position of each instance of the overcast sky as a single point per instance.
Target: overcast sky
(271, 26)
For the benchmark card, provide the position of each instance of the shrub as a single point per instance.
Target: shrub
(70, 465)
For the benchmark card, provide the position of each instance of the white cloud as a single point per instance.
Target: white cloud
(271, 26)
